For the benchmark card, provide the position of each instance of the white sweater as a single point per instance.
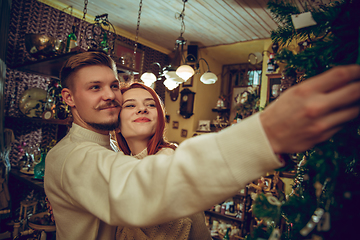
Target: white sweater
(92, 189)
(188, 228)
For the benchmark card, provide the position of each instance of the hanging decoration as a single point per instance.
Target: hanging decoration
(101, 35)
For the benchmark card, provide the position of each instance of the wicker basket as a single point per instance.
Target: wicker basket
(46, 228)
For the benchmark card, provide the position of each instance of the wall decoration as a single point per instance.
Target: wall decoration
(183, 133)
(187, 103)
(189, 82)
(204, 126)
(175, 125)
(274, 86)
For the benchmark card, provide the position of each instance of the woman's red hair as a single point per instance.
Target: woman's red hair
(157, 141)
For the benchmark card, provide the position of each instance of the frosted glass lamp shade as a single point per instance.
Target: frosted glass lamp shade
(185, 72)
(208, 78)
(173, 76)
(148, 78)
(170, 84)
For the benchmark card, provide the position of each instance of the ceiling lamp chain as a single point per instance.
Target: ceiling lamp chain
(82, 28)
(182, 17)
(137, 34)
(172, 78)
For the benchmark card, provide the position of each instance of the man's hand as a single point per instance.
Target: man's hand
(313, 111)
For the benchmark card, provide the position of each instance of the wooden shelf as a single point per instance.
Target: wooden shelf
(287, 174)
(67, 121)
(223, 216)
(220, 110)
(221, 236)
(27, 179)
(49, 67)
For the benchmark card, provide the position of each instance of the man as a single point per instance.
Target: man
(92, 188)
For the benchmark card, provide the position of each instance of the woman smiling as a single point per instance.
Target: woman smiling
(142, 133)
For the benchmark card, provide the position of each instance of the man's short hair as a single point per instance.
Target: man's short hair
(81, 60)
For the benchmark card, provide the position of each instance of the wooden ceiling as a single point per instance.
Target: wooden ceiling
(208, 23)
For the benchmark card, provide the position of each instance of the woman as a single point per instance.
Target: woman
(141, 133)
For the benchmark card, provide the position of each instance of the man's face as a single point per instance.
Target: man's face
(139, 115)
(95, 98)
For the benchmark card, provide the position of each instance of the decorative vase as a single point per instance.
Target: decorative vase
(39, 168)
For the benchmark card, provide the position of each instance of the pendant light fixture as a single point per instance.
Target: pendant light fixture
(185, 71)
(208, 77)
(177, 73)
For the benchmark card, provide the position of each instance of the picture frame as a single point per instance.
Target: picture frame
(274, 79)
(175, 125)
(124, 54)
(204, 126)
(183, 133)
(189, 82)
(236, 91)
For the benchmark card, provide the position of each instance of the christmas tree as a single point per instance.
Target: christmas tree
(325, 202)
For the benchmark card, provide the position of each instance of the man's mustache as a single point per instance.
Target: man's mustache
(108, 104)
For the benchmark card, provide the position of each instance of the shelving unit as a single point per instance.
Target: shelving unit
(223, 113)
(20, 183)
(61, 125)
(49, 67)
(243, 222)
(67, 121)
(223, 216)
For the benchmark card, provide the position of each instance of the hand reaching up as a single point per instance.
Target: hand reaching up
(313, 111)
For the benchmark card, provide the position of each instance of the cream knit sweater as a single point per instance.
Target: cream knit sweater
(93, 189)
(188, 228)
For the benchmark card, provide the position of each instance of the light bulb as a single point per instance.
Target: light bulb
(185, 72)
(208, 78)
(170, 84)
(173, 76)
(148, 78)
